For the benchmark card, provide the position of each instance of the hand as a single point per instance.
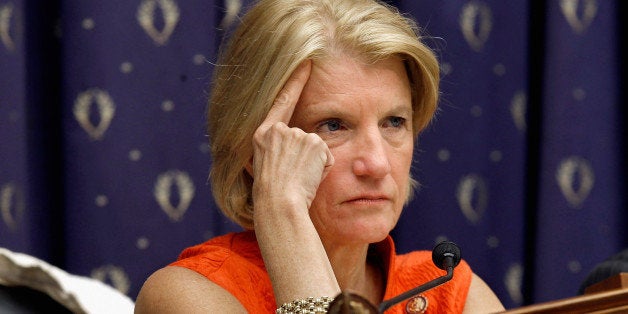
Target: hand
(288, 164)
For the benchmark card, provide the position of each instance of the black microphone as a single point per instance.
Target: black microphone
(445, 255)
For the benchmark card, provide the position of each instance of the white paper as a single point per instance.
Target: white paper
(78, 294)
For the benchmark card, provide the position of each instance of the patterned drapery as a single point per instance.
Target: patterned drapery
(104, 158)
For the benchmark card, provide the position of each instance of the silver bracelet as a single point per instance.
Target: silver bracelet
(310, 305)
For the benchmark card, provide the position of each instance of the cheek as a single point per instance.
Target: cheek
(401, 159)
(337, 177)
(337, 180)
(405, 154)
(401, 171)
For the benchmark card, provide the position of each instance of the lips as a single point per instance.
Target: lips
(368, 199)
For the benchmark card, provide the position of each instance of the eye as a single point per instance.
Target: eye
(330, 126)
(395, 122)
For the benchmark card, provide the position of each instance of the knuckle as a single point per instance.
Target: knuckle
(282, 98)
(278, 127)
(265, 133)
(315, 139)
(259, 134)
(258, 137)
(317, 142)
(311, 138)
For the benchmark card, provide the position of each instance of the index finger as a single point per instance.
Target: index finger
(287, 98)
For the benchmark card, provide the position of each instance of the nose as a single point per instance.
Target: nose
(371, 155)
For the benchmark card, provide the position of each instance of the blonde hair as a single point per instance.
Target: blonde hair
(273, 38)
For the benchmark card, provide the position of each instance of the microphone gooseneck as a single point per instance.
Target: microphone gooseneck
(446, 255)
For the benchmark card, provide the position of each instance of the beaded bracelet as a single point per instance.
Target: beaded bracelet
(310, 305)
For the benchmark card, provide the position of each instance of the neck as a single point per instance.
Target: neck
(355, 273)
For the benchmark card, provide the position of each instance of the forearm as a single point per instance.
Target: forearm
(294, 255)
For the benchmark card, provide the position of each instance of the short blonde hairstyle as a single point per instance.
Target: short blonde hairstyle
(273, 38)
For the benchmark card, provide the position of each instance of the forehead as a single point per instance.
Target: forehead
(340, 69)
(344, 78)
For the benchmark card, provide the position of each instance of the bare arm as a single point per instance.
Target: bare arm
(288, 166)
(481, 299)
(180, 290)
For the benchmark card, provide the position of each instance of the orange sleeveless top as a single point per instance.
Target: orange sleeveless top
(234, 262)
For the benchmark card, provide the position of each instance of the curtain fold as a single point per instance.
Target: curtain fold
(580, 213)
(30, 201)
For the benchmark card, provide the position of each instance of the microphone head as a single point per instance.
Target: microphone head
(442, 251)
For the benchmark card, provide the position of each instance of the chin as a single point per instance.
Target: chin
(350, 225)
(366, 232)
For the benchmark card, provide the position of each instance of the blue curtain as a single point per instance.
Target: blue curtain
(104, 158)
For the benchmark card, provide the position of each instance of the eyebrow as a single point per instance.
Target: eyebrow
(330, 108)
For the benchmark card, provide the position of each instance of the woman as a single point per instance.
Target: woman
(315, 108)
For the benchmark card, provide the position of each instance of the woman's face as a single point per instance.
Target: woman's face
(364, 114)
